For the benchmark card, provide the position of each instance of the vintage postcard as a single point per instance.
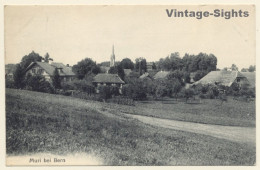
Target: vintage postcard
(132, 85)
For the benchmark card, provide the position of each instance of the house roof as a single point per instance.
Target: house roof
(108, 78)
(223, 77)
(145, 75)
(161, 75)
(49, 68)
(127, 71)
(250, 77)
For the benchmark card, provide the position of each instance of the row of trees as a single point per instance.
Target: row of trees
(251, 68)
(189, 63)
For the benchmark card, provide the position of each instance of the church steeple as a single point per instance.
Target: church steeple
(112, 58)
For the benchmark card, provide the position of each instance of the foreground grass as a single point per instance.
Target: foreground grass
(44, 123)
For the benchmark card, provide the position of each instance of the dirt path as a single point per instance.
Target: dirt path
(232, 133)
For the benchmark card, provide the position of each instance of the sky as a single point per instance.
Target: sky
(72, 33)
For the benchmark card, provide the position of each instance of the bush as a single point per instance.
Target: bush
(9, 84)
(80, 85)
(135, 90)
(203, 96)
(105, 92)
(202, 88)
(187, 93)
(122, 100)
(160, 91)
(199, 74)
(67, 86)
(38, 83)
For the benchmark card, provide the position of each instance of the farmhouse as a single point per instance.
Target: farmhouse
(146, 76)
(223, 77)
(250, 77)
(161, 75)
(108, 80)
(47, 70)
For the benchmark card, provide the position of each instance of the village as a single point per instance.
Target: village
(133, 80)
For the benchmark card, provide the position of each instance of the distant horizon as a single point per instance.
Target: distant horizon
(72, 33)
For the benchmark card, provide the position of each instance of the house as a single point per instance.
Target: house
(108, 80)
(250, 77)
(223, 77)
(47, 70)
(146, 76)
(161, 75)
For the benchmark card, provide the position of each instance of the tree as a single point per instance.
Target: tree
(117, 70)
(105, 92)
(234, 67)
(171, 63)
(47, 58)
(161, 91)
(176, 76)
(56, 81)
(187, 93)
(135, 90)
(140, 65)
(127, 63)
(202, 61)
(244, 70)
(199, 74)
(38, 83)
(19, 77)
(154, 66)
(28, 59)
(84, 67)
(251, 68)
(19, 74)
(176, 88)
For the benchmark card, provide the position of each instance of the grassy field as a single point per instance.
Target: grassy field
(209, 111)
(45, 123)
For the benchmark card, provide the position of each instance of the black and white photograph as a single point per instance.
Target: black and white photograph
(130, 85)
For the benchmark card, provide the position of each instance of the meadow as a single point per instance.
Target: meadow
(46, 123)
(209, 111)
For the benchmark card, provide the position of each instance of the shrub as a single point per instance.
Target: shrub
(80, 85)
(187, 93)
(160, 91)
(67, 86)
(56, 80)
(9, 84)
(19, 77)
(38, 83)
(135, 90)
(122, 100)
(199, 74)
(105, 92)
(202, 96)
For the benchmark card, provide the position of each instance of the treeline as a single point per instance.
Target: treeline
(200, 64)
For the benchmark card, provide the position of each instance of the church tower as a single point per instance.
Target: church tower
(112, 58)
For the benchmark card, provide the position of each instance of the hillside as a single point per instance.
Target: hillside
(54, 124)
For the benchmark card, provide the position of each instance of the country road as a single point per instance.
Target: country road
(232, 133)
